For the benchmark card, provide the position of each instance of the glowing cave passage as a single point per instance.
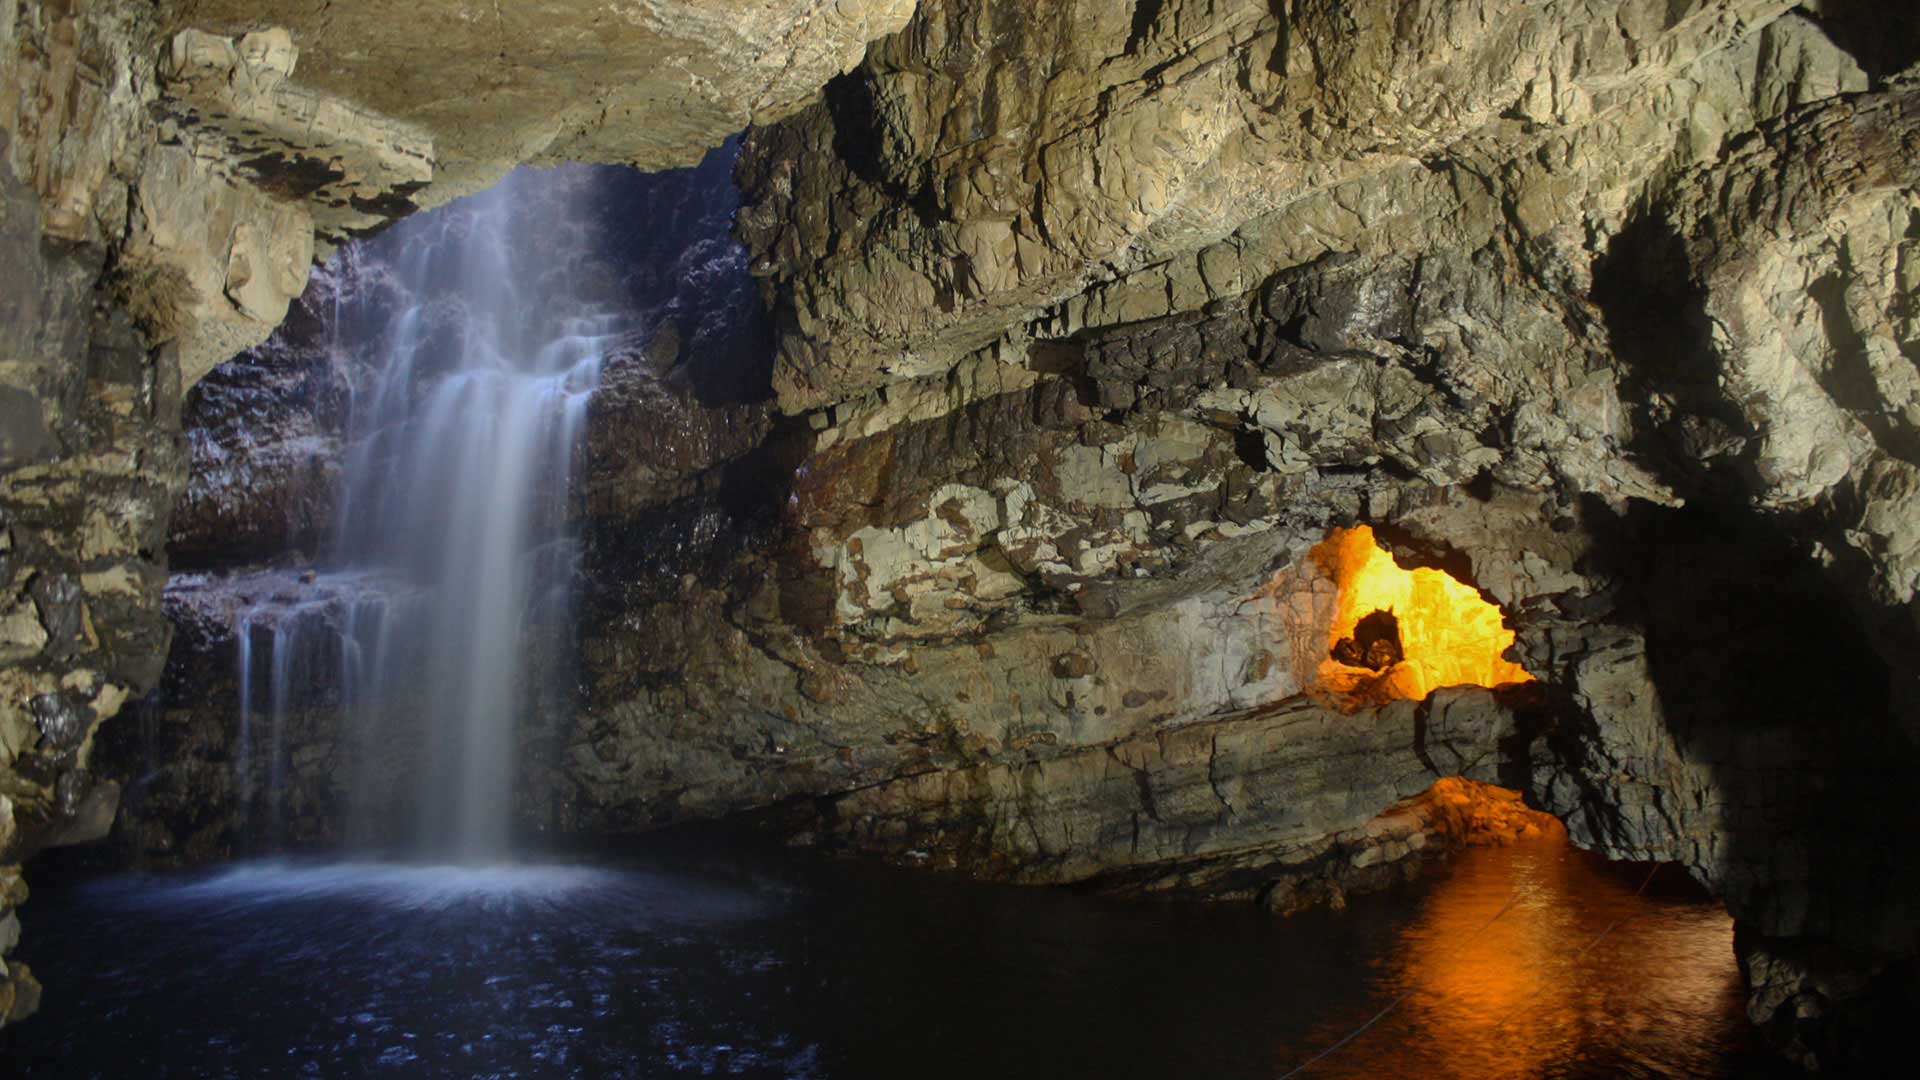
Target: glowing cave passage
(1399, 633)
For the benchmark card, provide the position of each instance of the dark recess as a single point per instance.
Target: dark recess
(1883, 36)
(1145, 14)
(1686, 430)
(1767, 675)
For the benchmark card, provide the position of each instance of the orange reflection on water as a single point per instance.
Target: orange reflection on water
(1526, 992)
(1482, 979)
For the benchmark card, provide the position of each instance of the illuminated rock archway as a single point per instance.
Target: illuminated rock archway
(1394, 633)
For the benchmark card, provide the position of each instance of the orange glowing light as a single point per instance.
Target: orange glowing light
(1449, 635)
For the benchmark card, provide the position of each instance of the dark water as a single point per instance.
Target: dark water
(730, 965)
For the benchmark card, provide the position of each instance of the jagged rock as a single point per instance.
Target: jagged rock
(277, 143)
(1658, 258)
(1799, 994)
(655, 85)
(207, 150)
(1092, 169)
(290, 141)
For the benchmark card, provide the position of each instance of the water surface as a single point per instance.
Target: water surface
(715, 964)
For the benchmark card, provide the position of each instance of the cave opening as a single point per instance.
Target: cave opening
(1398, 633)
(394, 500)
(282, 605)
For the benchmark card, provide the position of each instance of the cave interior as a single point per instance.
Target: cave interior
(930, 508)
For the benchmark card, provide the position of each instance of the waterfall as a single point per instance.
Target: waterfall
(474, 359)
(384, 690)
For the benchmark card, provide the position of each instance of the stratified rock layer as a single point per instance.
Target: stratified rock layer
(1105, 315)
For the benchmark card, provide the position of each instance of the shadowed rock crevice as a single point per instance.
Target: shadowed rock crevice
(1658, 327)
(1877, 36)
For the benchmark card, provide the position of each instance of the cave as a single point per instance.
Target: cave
(764, 538)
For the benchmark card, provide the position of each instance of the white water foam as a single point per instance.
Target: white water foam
(638, 897)
(401, 886)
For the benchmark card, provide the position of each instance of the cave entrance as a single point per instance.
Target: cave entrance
(1398, 633)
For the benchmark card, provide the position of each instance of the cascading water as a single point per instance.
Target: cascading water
(406, 677)
(477, 356)
(456, 485)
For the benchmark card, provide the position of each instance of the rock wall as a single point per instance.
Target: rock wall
(1096, 318)
(90, 459)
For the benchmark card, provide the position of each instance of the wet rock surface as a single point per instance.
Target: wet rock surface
(266, 434)
(90, 465)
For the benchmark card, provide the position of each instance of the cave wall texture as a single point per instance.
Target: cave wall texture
(1091, 319)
